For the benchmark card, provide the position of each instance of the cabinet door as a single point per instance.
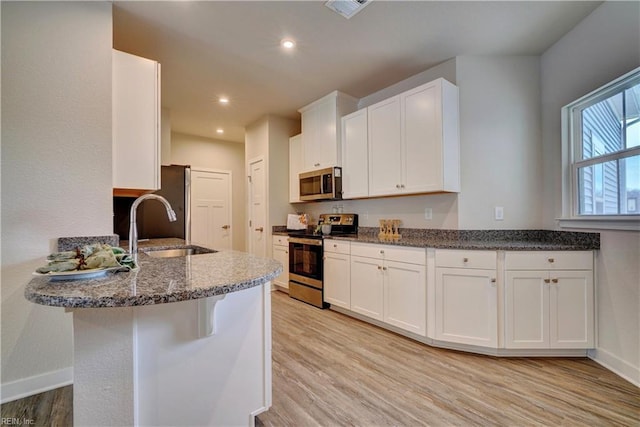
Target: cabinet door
(571, 309)
(355, 168)
(281, 253)
(337, 279)
(385, 176)
(295, 167)
(319, 135)
(405, 296)
(422, 160)
(466, 306)
(526, 309)
(136, 122)
(367, 287)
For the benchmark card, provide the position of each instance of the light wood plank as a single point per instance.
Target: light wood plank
(329, 369)
(332, 370)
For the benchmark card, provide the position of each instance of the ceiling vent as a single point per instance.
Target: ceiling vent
(347, 8)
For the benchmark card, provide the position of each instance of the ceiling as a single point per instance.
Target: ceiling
(209, 49)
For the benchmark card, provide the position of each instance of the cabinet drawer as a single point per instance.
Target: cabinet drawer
(466, 259)
(392, 253)
(281, 240)
(549, 260)
(336, 246)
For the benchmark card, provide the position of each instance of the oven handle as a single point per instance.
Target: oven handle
(314, 242)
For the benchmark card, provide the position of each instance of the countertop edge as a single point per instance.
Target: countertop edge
(159, 281)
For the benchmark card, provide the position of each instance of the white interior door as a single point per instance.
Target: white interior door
(211, 209)
(257, 208)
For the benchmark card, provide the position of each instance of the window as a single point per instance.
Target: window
(602, 154)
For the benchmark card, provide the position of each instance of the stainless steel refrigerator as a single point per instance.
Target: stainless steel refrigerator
(175, 185)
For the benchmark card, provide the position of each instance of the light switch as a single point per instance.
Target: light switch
(499, 213)
(428, 213)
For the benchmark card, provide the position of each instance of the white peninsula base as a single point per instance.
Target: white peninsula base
(154, 366)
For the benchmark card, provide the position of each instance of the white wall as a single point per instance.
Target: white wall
(500, 156)
(499, 144)
(200, 152)
(56, 169)
(268, 137)
(602, 47)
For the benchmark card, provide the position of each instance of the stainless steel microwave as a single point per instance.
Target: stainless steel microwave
(322, 184)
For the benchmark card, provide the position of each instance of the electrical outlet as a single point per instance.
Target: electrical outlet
(428, 213)
(499, 213)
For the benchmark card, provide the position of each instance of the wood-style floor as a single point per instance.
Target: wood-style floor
(331, 370)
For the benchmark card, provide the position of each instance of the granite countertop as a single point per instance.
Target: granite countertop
(158, 280)
(507, 240)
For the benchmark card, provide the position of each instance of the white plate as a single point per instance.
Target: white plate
(77, 274)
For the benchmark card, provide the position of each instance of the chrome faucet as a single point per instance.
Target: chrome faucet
(133, 228)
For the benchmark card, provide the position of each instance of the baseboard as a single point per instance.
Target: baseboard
(616, 365)
(37, 384)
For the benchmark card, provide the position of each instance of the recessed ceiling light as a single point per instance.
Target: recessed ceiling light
(223, 100)
(220, 131)
(288, 43)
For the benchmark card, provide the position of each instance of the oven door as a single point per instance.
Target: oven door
(305, 261)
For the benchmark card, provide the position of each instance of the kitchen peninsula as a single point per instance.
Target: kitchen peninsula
(181, 341)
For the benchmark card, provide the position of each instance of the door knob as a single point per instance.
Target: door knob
(260, 229)
(226, 227)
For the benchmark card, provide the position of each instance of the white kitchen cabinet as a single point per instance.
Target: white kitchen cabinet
(295, 167)
(355, 167)
(281, 253)
(321, 130)
(337, 273)
(549, 300)
(466, 297)
(388, 283)
(414, 141)
(385, 156)
(136, 123)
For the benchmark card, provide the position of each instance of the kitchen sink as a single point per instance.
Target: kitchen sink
(178, 252)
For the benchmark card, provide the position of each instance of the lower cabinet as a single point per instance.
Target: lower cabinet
(466, 297)
(514, 300)
(281, 253)
(389, 284)
(367, 287)
(337, 273)
(405, 296)
(549, 300)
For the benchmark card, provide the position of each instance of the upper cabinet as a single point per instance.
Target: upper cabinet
(414, 142)
(411, 142)
(136, 124)
(321, 130)
(355, 183)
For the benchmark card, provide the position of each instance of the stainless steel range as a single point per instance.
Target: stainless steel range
(306, 257)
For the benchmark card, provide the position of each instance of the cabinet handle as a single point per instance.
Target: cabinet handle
(260, 229)
(384, 268)
(379, 267)
(551, 260)
(335, 246)
(226, 227)
(381, 252)
(316, 164)
(554, 280)
(493, 280)
(401, 185)
(546, 280)
(465, 259)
